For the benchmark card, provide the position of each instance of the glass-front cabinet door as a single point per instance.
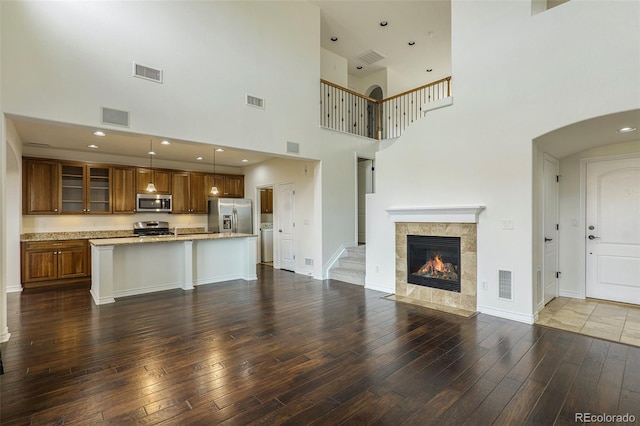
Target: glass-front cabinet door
(85, 188)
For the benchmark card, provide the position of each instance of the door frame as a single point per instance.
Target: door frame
(257, 206)
(582, 243)
(358, 156)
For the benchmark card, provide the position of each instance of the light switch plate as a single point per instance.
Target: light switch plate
(507, 224)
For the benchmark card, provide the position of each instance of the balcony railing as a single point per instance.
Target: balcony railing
(347, 111)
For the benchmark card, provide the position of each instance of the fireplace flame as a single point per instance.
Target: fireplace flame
(437, 268)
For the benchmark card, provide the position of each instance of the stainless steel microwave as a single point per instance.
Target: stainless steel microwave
(153, 203)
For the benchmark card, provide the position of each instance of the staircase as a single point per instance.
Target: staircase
(350, 267)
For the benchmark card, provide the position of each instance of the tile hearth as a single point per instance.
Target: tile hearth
(463, 303)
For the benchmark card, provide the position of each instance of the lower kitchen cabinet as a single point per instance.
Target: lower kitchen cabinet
(54, 262)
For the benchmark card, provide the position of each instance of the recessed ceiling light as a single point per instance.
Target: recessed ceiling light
(151, 153)
(384, 23)
(334, 38)
(198, 158)
(359, 67)
(99, 133)
(219, 150)
(165, 143)
(626, 130)
(430, 69)
(411, 43)
(244, 160)
(92, 146)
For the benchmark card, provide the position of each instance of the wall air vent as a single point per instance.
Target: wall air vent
(293, 147)
(255, 102)
(147, 73)
(505, 285)
(371, 57)
(115, 117)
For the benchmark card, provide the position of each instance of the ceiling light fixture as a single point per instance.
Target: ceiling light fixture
(411, 43)
(430, 69)
(359, 67)
(334, 38)
(198, 158)
(214, 188)
(384, 23)
(99, 133)
(219, 150)
(165, 143)
(626, 130)
(92, 146)
(151, 187)
(244, 160)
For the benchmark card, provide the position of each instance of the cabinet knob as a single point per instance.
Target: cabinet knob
(55, 210)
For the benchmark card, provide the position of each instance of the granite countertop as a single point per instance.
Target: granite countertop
(92, 235)
(166, 239)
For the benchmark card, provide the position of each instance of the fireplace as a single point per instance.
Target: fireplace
(434, 261)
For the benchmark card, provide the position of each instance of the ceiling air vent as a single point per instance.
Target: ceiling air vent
(147, 73)
(255, 102)
(116, 117)
(371, 57)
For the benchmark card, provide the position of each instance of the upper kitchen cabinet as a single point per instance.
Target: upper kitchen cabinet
(40, 188)
(229, 186)
(160, 178)
(85, 188)
(189, 192)
(266, 200)
(124, 189)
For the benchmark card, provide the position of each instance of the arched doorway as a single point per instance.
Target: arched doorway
(373, 124)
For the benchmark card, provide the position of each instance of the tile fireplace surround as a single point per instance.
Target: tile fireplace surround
(442, 222)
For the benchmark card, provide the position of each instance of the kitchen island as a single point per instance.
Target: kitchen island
(136, 265)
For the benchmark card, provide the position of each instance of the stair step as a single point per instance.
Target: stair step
(346, 275)
(352, 263)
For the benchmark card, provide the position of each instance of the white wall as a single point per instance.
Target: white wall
(13, 207)
(333, 68)
(301, 173)
(572, 236)
(479, 151)
(378, 78)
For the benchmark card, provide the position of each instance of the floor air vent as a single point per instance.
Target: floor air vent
(255, 102)
(147, 73)
(114, 116)
(505, 285)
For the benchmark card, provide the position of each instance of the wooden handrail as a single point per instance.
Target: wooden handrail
(447, 79)
(344, 89)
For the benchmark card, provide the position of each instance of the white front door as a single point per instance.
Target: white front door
(286, 226)
(550, 229)
(613, 230)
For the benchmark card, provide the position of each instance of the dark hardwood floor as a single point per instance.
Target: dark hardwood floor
(287, 349)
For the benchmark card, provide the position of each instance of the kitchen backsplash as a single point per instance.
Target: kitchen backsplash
(63, 223)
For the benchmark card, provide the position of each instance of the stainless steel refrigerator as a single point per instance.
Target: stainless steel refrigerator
(230, 215)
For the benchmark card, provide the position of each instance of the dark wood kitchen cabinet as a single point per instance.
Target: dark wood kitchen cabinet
(85, 188)
(234, 186)
(160, 178)
(40, 186)
(124, 189)
(189, 193)
(54, 262)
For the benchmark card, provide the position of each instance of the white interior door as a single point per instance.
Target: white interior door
(286, 226)
(550, 228)
(613, 230)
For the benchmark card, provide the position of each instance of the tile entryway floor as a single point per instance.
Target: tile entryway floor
(598, 318)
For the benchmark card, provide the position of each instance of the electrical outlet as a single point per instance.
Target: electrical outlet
(507, 224)
(485, 285)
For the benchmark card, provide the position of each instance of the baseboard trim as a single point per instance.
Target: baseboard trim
(514, 316)
(571, 294)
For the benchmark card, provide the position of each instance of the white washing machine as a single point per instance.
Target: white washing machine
(266, 234)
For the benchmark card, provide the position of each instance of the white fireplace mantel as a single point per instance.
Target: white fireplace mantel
(453, 214)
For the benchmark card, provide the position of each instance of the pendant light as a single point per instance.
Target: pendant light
(151, 187)
(214, 188)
